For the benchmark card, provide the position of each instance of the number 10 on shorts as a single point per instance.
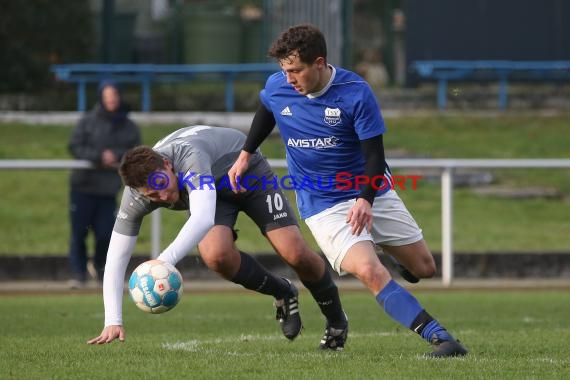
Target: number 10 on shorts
(274, 201)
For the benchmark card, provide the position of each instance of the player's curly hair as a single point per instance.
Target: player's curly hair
(305, 39)
(138, 164)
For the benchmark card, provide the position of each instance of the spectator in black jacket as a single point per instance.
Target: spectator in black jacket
(102, 137)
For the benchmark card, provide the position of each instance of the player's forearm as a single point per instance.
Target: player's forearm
(202, 213)
(244, 157)
(120, 250)
(373, 150)
(261, 126)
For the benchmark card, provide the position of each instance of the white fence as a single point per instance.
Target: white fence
(447, 167)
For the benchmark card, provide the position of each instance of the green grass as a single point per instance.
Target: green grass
(37, 201)
(510, 335)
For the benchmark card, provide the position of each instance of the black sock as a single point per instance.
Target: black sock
(427, 328)
(252, 275)
(421, 321)
(325, 293)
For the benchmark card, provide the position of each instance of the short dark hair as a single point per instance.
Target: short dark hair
(138, 164)
(305, 39)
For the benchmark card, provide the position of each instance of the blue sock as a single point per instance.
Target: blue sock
(433, 327)
(405, 309)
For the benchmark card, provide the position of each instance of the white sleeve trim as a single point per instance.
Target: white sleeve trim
(120, 250)
(202, 213)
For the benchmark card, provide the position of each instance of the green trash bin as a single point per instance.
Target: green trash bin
(253, 50)
(212, 35)
(123, 42)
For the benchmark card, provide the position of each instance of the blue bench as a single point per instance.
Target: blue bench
(146, 74)
(501, 71)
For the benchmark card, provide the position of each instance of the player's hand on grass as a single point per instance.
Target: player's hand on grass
(237, 170)
(360, 216)
(109, 334)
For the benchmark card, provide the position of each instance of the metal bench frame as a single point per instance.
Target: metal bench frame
(147, 74)
(502, 71)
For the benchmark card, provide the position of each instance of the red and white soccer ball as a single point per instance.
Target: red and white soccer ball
(155, 286)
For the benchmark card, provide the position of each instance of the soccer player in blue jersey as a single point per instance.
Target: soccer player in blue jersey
(331, 123)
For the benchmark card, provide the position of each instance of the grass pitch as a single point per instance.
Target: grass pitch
(510, 335)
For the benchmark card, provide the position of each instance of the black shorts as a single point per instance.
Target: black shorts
(265, 203)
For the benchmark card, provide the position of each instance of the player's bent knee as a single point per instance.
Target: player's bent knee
(421, 263)
(296, 256)
(372, 274)
(221, 262)
(427, 269)
(293, 249)
(424, 271)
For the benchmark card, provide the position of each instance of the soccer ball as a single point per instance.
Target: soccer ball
(155, 286)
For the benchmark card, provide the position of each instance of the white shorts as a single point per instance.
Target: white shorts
(393, 225)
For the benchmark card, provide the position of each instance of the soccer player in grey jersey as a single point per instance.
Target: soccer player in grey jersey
(186, 171)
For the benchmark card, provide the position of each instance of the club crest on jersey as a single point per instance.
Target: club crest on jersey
(332, 116)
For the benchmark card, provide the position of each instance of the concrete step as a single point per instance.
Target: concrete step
(467, 266)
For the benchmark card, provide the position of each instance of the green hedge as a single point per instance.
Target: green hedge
(37, 33)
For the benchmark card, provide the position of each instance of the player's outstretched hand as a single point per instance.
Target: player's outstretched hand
(109, 334)
(237, 170)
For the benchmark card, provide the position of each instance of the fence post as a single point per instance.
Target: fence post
(447, 225)
(229, 94)
(441, 93)
(81, 96)
(503, 92)
(146, 96)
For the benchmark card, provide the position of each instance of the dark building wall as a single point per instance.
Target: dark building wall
(488, 29)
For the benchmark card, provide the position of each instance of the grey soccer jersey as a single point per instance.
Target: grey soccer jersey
(197, 153)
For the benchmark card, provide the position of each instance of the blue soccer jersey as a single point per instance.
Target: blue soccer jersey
(322, 134)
